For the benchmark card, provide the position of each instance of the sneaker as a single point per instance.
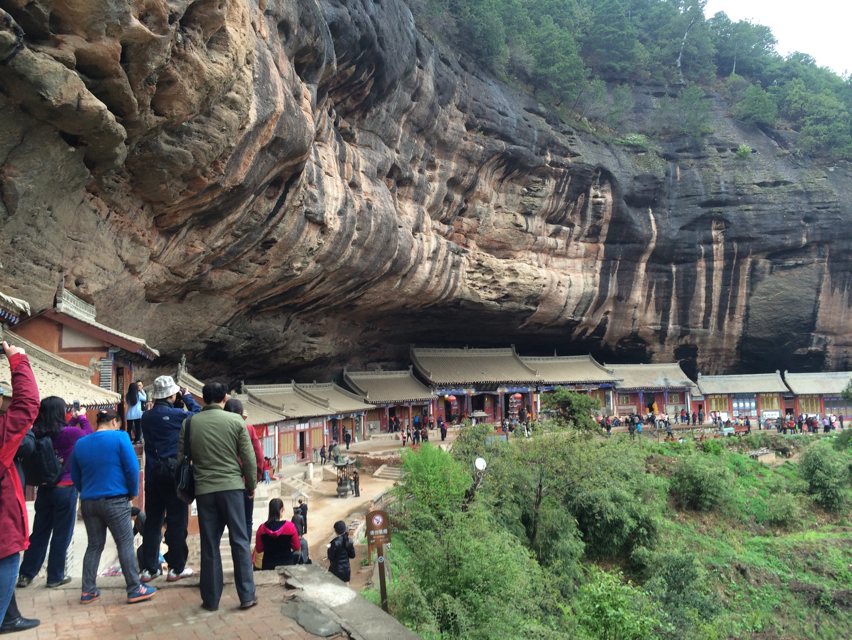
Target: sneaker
(249, 604)
(23, 581)
(174, 576)
(140, 594)
(90, 597)
(147, 576)
(53, 585)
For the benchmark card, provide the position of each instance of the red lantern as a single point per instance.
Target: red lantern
(451, 398)
(517, 396)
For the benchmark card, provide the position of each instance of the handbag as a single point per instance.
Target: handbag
(185, 473)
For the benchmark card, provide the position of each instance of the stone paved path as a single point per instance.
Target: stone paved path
(174, 612)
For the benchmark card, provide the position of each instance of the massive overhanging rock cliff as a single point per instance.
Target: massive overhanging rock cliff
(286, 186)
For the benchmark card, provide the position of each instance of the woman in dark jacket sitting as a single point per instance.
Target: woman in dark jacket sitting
(277, 539)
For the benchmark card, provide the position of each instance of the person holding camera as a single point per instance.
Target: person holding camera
(340, 551)
(15, 421)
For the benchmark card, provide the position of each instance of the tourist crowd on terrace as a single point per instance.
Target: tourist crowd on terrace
(83, 360)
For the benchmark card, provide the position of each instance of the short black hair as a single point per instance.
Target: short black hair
(214, 392)
(106, 415)
(233, 405)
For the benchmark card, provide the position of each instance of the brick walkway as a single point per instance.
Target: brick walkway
(175, 612)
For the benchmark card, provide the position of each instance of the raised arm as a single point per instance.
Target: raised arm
(23, 409)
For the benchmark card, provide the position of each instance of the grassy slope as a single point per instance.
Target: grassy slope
(773, 573)
(770, 581)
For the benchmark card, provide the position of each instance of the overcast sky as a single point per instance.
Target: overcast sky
(820, 28)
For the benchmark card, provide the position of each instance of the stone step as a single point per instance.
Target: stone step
(387, 472)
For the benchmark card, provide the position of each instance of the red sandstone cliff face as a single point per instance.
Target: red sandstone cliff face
(288, 186)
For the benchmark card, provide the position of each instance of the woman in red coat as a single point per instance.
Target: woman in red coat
(14, 425)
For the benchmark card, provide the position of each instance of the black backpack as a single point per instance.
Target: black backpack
(43, 467)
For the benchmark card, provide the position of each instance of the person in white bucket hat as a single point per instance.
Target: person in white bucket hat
(161, 429)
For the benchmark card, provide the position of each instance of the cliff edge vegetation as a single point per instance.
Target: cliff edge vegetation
(571, 535)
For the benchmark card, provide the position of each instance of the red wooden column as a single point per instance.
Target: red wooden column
(410, 416)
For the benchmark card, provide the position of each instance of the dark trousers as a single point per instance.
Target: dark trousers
(100, 515)
(134, 430)
(163, 505)
(216, 511)
(249, 504)
(55, 514)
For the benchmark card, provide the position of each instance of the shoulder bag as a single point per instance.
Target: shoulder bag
(185, 473)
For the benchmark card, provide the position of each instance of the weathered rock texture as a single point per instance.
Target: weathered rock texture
(281, 187)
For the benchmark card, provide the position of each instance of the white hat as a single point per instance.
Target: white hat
(164, 387)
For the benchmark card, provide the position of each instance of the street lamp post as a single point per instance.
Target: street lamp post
(479, 466)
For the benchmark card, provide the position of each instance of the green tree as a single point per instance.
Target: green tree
(474, 580)
(621, 106)
(608, 608)
(827, 476)
(574, 408)
(559, 69)
(433, 486)
(741, 47)
(686, 115)
(609, 44)
(756, 107)
(482, 30)
(527, 487)
(699, 483)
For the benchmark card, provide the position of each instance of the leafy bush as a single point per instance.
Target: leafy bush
(477, 581)
(782, 511)
(635, 140)
(712, 447)
(699, 484)
(744, 151)
(612, 520)
(606, 607)
(679, 583)
(843, 441)
(824, 470)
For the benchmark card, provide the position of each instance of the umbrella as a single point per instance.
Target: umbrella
(451, 398)
(517, 396)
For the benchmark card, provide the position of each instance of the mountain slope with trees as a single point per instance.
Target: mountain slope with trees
(571, 535)
(577, 56)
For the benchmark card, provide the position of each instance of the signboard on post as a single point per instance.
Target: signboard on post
(378, 529)
(378, 535)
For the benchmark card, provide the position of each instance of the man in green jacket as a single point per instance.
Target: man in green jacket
(225, 467)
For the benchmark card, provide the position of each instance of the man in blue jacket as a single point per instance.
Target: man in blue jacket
(106, 473)
(161, 430)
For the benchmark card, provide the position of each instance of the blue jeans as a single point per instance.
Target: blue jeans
(8, 575)
(55, 515)
(113, 514)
